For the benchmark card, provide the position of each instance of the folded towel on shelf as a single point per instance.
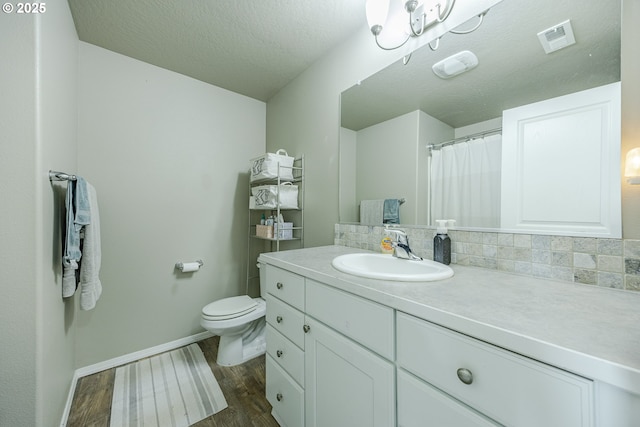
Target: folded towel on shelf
(371, 212)
(77, 216)
(391, 211)
(90, 285)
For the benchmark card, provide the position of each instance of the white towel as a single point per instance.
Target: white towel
(90, 286)
(77, 216)
(371, 212)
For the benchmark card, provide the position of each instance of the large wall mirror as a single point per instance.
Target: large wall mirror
(513, 71)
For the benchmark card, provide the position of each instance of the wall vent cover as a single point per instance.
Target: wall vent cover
(557, 37)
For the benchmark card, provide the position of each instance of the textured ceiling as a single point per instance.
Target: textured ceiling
(513, 69)
(251, 47)
(256, 47)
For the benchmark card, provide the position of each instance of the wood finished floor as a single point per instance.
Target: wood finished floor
(243, 387)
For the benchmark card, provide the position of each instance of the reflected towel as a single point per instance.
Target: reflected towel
(391, 211)
(371, 212)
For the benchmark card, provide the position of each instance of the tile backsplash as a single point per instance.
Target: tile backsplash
(611, 263)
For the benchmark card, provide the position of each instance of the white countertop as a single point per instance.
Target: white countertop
(584, 329)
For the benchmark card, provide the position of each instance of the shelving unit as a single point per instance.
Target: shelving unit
(258, 244)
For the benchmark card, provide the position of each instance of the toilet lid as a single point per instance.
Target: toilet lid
(228, 308)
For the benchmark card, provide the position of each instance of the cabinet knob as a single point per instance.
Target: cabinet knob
(279, 285)
(306, 328)
(279, 319)
(465, 375)
(279, 353)
(279, 397)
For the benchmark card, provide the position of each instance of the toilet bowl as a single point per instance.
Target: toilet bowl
(240, 323)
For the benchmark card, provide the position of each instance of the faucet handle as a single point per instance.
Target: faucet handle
(400, 236)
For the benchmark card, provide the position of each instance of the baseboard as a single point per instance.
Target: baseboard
(123, 360)
(67, 407)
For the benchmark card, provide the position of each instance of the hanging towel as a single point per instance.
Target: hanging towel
(371, 212)
(90, 286)
(78, 215)
(391, 211)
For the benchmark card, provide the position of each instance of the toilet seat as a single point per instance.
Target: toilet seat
(229, 308)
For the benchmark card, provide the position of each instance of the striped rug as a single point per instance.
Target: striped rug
(174, 389)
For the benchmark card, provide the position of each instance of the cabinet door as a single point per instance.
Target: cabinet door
(420, 405)
(346, 385)
(285, 396)
(561, 165)
(504, 386)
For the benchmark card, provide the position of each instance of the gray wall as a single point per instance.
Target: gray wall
(37, 133)
(169, 158)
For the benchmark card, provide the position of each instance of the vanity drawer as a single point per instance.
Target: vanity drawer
(286, 320)
(418, 401)
(287, 286)
(368, 323)
(286, 354)
(506, 387)
(285, 396)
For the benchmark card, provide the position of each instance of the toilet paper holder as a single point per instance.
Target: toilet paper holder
(189, 266)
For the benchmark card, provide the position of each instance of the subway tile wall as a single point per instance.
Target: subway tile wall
(612, 263)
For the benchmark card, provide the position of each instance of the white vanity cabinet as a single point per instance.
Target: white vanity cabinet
(506, 387)
(329, 355)
(345, 351)
(347, 384)
(285, 346)
(337, 359)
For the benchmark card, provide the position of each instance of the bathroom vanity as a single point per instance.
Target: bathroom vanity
(482, 348)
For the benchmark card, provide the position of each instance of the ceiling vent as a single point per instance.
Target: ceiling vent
(557, 37)
(455, 64)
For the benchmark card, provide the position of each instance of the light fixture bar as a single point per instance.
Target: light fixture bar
(427, 13)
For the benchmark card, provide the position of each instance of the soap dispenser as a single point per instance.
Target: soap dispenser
(386, 245)
(442, 243)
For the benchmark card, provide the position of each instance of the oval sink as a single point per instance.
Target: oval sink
(388, 267)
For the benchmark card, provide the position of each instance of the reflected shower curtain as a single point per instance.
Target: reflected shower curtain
(465, 182)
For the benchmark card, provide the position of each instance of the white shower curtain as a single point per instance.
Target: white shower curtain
(465, 182)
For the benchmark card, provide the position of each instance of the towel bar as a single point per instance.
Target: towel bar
(61, 176)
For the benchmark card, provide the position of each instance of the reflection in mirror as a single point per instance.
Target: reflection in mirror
(389, 119)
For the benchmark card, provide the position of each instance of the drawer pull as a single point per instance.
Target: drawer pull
(279, 285)
(279, 319)
(306, 328)
(279, 353)
(279, 397)
(465, 375)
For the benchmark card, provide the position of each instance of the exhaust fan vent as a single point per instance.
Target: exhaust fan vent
(557, 37)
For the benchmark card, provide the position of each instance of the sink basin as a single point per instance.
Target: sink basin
(388, 267)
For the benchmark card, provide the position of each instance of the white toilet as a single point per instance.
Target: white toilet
(240, 323)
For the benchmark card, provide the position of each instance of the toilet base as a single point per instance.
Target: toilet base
(237, 349)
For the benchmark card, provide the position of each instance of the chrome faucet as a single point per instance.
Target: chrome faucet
(401, 247)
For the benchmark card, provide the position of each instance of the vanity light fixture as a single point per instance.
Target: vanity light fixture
(421, 14)
(632, 166)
